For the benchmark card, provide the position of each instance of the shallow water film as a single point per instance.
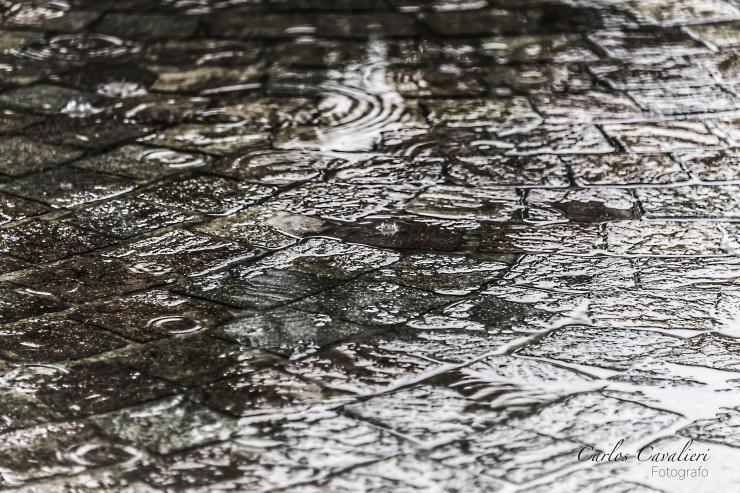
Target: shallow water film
(388, 246)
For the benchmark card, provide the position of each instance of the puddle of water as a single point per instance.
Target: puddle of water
(357, 106)
(436, 245)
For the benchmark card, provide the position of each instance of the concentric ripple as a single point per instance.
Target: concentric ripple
(80, 46)
(359, 105)
(357, 116)
(173, 159)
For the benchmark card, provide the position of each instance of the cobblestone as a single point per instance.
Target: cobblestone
(125, 218)
(29, 156)
(50, 339)
(626, 169)
(367, 245)
(174, 360)
(710, 166)
(690, 202)
(664, 136)
(656, 71)
(136, 161)
(496, 170)
(600, 347)
(152, 315)
(164, 253)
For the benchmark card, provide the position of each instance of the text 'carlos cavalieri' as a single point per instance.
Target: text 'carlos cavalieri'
(649, 454)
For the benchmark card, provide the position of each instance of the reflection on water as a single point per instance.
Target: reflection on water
(356, 105)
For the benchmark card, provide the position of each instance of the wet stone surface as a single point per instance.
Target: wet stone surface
(530, 171)
(137, 161)
(360, 367)
(124, 218)
(650, 72)
(465, 203)
(575, 274)
(685, 100)
(172, 424)
(590, 205)
(372, 303)
(441, 273)
(266, 395)
(626, 169)
(194, 360)
(11, 121)
(607, 348)
(385, 171)
(29, 446)
(668, 238)
(87, 132)
(586, 107)
(326, 258)
(529, 78)
(67, 187)
(209, 195)
(96, 387)
(242, 287)
(477, 112)
(226, 465)
(220, 139)
(260, 226)
(664, 136)
(18, 304)
(371, 245)
(691, 202)
(39, 241)
(495, 454)
(181, 251)
(46, 98)
(287, 331)
(646, 42)
(273, 168)
(710, 166)
(152, 315)
(341, 202)
(54, 339)
(85, 278)
(23, 156)
(521, 238)
(15, 208)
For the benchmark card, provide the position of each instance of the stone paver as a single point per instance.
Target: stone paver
(367, 245)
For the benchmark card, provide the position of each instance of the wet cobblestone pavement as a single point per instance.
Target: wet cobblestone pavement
(368, 245)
